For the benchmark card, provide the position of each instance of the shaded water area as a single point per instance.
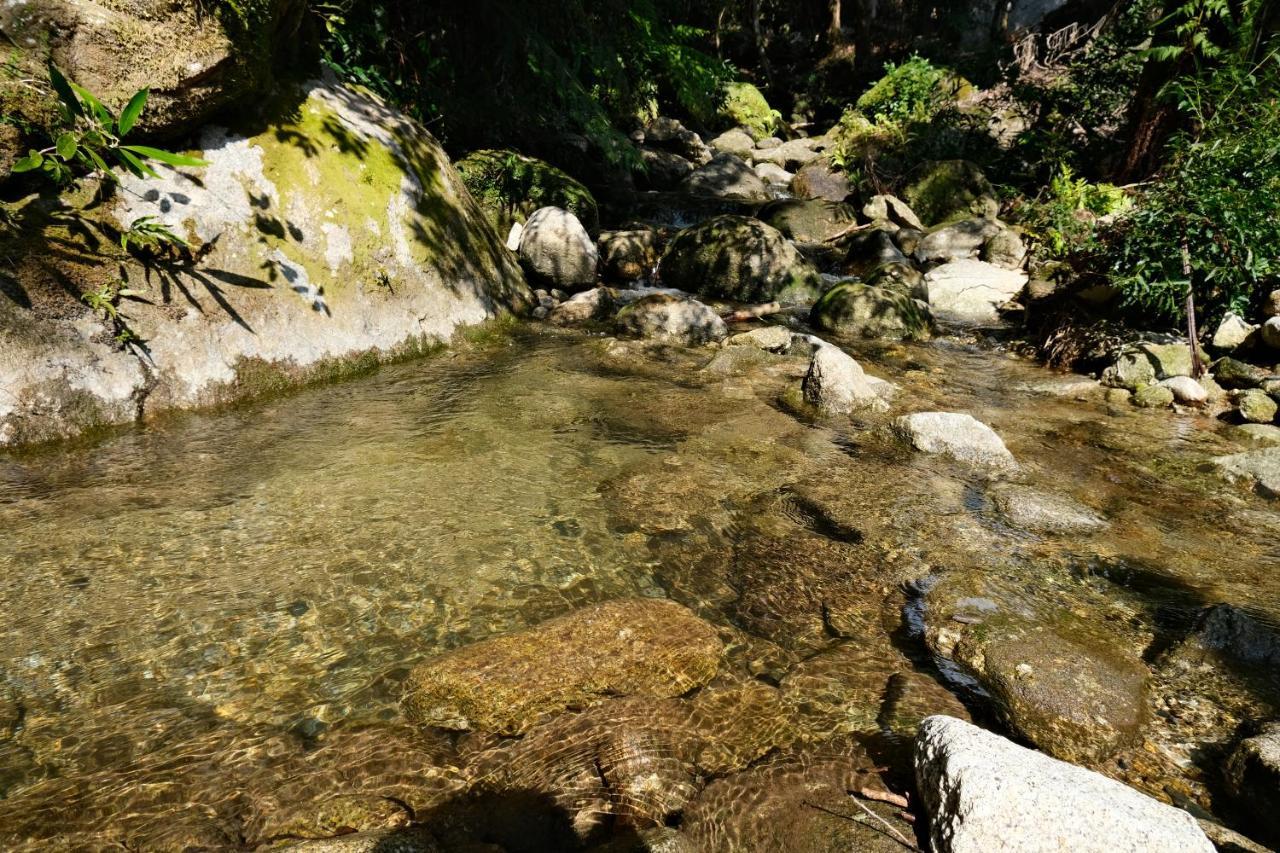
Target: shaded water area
(208, 622)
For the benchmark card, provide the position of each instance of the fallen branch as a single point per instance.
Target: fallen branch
(753, 312)
(892, 831)
(884, 797)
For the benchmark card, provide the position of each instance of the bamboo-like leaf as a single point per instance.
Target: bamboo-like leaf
(63, 88)
(133, 164)
(133, 109)
(164, 156)
(100, 112)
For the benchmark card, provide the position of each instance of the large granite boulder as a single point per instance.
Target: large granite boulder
(986, 794)
(836, 384)
(646, 647)
(810, 220)
(335, 235)
(733, 257)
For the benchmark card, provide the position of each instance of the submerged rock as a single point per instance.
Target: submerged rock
(1257, 468)
(971, 291)
(726, 176)
(985, 793)
(733, 257)
(960, 436)
(649, 647)
(555, 248)
(1030, 509)
(664, 317)
(861, 310)
(837, 385)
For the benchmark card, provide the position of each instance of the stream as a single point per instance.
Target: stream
(208, 620)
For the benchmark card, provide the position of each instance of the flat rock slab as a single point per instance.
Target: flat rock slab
(986, 794)
(971, 291)
(650, 647)
(1041, 512)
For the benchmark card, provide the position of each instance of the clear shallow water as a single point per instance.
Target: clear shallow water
(196, 604)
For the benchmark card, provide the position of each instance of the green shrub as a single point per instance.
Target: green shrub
(913, 91)
(1065, 219)
(1215, 209)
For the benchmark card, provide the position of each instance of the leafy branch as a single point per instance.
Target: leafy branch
(90, 136)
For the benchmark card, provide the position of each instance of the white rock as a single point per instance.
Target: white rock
(986, 794)
(1271, 333)
(970, 291)
(513, 236)
(1232, 332)
(1186, 390)
(837, 385)
(960, 436)
(556, 247)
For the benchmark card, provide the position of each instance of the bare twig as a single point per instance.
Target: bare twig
(897, 836)
(753, 312)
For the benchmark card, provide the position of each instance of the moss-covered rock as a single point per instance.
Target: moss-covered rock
(329, 237)
(194, 62)
(745, 106)
(951, 189)
(872, 312)
(511, 186)
(647, 647)
(734, 257)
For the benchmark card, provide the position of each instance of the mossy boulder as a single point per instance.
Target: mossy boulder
(645, 647)
(194, 61)
(948, 190)
(859, 310)
(738, 258)
(511, 186)
(745, 106)
(326, 238)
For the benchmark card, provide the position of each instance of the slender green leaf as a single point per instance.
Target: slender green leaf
(63, 88)
(133, 164)
(66, 146)
(100, 112)
(133, 109)
(164, 156)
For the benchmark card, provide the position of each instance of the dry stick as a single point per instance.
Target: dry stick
(753, 312)
(884, 797)
(1197, 366)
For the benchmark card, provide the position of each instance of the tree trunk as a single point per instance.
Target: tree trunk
(834, 26)
(757, 27)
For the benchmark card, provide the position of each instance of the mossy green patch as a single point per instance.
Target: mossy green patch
(510, 186)
(745, 106)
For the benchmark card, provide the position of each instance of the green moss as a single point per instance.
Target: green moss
(510, 186)
(745, 106)
(950, 190)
